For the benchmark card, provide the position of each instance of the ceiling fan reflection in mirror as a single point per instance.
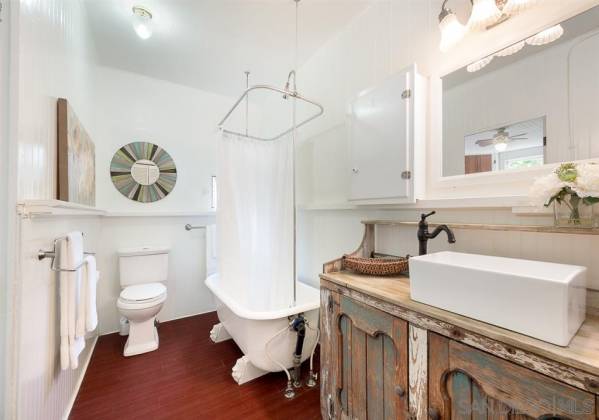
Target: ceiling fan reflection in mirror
(501, 139)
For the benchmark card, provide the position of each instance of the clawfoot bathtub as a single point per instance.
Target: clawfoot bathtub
(263, 336)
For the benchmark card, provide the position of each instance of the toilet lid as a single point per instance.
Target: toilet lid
(141, 292)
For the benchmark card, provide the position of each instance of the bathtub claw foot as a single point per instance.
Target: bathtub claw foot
(219, 333)
(244, 371)
(289, 391)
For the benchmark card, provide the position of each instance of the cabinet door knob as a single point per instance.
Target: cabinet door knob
(355, 170)
(400, 391)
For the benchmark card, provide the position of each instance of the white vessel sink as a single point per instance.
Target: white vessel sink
(540, 299)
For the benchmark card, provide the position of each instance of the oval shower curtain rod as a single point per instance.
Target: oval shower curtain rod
(286, 92)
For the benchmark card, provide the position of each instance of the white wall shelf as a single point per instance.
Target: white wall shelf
(48, 208)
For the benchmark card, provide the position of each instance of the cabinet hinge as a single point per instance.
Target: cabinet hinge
(406, 94)
(406, 175)
(330, 304)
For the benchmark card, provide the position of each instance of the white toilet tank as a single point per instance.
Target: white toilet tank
(146, 264)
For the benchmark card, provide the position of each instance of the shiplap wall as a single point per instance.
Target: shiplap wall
(44, 391)
(55, 59)
(54, 56)
(328, 234)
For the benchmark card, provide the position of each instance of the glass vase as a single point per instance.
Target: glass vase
(572, 211)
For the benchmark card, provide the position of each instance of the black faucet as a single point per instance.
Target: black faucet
(424, 235)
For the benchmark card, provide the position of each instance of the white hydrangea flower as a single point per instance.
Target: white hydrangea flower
(546, 187)
(587, 181)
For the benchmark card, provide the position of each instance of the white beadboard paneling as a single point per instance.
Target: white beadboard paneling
(44, 391)
(325, 235)
(55, 59)
(187, 294)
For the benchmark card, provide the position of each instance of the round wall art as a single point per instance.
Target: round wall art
(143, 172)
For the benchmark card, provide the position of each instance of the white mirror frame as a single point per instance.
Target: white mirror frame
(513, 185)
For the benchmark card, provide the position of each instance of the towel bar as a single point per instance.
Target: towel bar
(191, 227)
(41, 254)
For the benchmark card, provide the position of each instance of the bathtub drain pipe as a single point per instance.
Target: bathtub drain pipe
(298, 325)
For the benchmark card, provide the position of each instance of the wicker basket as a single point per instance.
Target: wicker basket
(386, 266)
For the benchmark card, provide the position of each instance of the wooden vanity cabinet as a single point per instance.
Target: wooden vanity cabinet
(364, 355)
(466, 383)
(369, 357)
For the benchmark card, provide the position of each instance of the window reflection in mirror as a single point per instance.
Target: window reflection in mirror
(527, 105)
(519, 145)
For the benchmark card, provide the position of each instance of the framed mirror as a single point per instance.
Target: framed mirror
(143, 172)
(533, 103)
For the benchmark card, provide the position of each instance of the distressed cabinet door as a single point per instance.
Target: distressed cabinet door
(365, 361)
(466, 383)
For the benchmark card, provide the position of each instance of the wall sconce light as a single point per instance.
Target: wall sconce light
(142, 22)
(452, 31)
(484, 14)
(513, 7)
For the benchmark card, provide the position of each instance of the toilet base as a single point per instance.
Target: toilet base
(143, 338)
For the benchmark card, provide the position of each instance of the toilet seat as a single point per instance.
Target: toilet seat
(141, 296)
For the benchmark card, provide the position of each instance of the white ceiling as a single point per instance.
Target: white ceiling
(208, 44)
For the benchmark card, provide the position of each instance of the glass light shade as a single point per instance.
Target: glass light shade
(513, 7)
(501, 147)
(142, 21)
(547, 36)
(484, 14)
(142, 30)
(480, 64)
(452, 31)
(512, 49)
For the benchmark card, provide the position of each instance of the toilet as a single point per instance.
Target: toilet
(142, 272)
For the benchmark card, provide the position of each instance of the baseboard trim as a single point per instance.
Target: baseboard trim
(168, 320)
(67, 412)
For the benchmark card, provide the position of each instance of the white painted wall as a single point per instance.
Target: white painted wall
(44, 390)
(385, 38)
(183, 121)
(53, 54)
(55, 60)
(6, 217)
(180, 119)
(187, 294)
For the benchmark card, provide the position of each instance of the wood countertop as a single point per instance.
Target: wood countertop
(582, 352)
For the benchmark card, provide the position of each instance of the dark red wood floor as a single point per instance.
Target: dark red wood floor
(188, 377)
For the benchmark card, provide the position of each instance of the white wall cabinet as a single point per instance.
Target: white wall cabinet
(386, 137)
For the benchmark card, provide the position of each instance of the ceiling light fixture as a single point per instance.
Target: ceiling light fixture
(484, 14)
(479, 65)
(501, 146)
(142, 22)
(452, 31)
(547, 36)
(513, 7)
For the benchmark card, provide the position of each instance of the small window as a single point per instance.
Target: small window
(525, 162)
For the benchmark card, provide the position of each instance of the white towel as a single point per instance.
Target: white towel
(89, 282)
(71, 343)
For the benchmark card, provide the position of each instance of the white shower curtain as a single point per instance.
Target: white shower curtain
(255, 221)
